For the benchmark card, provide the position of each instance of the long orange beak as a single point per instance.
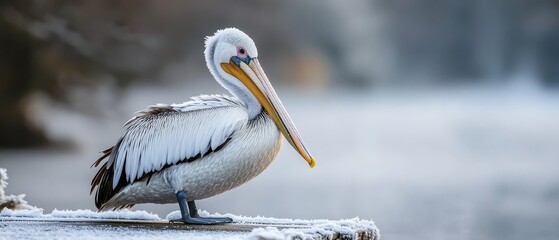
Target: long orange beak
(254, 78)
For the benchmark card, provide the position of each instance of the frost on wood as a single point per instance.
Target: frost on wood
(126, 224)
(80, 214)
(285, 228)
(13, 202)
(120, 214)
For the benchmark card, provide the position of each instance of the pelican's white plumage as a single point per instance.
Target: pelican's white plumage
(156, 140)
(203, 147)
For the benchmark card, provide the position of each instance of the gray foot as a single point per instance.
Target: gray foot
(202, 221)
(189, 213)
(217, 220)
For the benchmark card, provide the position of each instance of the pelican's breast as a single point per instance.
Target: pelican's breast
(250, 150)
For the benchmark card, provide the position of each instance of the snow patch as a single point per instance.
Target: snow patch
(121, 214)
(25, 213)
(271, 233)
(80, 214)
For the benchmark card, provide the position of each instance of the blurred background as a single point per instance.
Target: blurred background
(437, 119)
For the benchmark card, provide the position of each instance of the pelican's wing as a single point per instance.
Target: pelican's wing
(164, 135)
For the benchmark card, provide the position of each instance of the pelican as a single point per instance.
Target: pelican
(200, 148)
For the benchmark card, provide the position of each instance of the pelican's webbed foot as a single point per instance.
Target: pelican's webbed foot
(189, 214)
(194, 214)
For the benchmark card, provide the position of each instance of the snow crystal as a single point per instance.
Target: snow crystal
(11, 201)
(3, 180)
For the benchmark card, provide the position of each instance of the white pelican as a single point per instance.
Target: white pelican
(203, 147)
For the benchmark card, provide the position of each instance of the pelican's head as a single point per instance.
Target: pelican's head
(231, 56)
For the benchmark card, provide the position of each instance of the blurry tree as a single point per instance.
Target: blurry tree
(39, 51)
(17, 69)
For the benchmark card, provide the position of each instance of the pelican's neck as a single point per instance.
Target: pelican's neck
(232, 84)
(254, 108)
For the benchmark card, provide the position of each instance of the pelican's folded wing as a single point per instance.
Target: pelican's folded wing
(163, 135)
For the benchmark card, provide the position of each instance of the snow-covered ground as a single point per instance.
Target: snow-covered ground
(126, 224)
(449, 164)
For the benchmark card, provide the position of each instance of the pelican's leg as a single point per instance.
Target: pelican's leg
(187, 216)
(194, 214)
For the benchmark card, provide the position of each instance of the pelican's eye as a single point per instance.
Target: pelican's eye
(241, 52)
(242, 56)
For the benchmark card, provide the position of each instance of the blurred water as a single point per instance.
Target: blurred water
(477, 163)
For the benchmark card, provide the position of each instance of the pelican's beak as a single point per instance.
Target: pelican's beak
(254, 78)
